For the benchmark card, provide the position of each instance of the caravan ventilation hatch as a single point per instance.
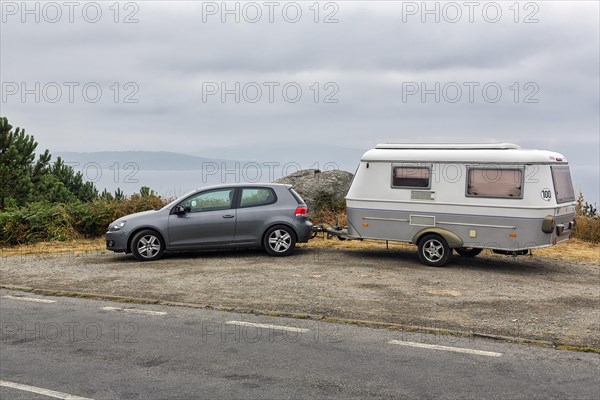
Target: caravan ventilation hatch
(422, 195)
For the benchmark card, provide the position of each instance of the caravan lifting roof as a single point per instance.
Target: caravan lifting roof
(462, 153)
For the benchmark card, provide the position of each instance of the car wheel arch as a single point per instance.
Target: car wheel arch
(287, 225)
(142, 228)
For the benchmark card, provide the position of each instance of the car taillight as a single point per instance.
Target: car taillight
(301, 210)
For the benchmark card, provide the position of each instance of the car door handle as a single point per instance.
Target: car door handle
(228, 216)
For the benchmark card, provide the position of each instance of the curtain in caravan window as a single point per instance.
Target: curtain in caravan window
(411, 177)
(495, 182)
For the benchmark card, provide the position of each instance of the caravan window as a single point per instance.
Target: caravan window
(495, 182)
(563, 186)
(411, 177)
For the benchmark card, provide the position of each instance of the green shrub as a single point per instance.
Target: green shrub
(45, 221)
(329, 209)
(326, 201)
(37, 222)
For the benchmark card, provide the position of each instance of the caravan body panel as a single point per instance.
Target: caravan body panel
(490, 197)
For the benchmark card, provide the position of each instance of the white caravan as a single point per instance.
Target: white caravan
(466, 197)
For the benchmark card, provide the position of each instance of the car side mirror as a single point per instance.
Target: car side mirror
(180, 210)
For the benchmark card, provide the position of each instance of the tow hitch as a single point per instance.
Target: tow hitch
(330, 231)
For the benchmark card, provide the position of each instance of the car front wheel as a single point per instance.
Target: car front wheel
(147, 245)
(279, 241)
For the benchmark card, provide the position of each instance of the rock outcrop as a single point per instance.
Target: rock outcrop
(310, 183)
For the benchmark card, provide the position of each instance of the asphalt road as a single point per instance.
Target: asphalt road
(104, 350)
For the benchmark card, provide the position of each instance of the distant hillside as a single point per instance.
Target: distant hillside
(325, 157)
(306, 154)
(145, 160)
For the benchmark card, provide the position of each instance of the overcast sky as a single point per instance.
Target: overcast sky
(368, 72)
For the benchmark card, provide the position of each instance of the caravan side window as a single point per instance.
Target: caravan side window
(563, 186)
(495, 182)
(411, 177)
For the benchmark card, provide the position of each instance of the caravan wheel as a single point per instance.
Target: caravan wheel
(434, 251)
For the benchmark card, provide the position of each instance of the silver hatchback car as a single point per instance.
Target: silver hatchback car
(272, 216)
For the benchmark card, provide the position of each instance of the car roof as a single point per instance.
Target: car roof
(244, 184)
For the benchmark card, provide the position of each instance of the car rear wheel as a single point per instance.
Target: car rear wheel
(279, 241)
(147, 245)
(434, 250)
(468, 252)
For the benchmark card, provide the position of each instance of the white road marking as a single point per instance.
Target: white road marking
(134, 311)
(446, 348)
(267, 326)
(31, 299)
(42, 391)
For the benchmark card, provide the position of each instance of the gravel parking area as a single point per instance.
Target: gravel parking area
(534, 298)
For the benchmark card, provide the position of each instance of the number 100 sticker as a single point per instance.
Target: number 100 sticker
(546, 194)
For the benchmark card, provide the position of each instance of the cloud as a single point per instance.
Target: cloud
(367, 58)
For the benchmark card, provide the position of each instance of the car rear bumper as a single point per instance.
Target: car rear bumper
(304, 230)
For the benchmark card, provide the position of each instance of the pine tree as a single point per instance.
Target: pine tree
(106, 195)
(17, 152)
(22, 180)
(73, 181)
(119, 195)
(145, 191)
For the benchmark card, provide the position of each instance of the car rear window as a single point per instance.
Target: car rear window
(297, 196)
(254, 197)
(563, 185)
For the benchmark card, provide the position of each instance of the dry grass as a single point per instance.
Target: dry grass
(572, 250)
(80, 246)
(587, 229)
(575, 249)
(366, 244)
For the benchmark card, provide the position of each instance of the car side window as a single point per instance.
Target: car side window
(220, 199)
(253, 197)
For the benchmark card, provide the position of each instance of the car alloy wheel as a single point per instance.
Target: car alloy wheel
(279, 241)
(147, 245)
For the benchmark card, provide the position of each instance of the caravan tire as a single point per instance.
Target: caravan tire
(434, 250)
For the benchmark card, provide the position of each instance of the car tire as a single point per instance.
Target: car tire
(147, 245)
(468, 252)
(279, 241)
(434, 250)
